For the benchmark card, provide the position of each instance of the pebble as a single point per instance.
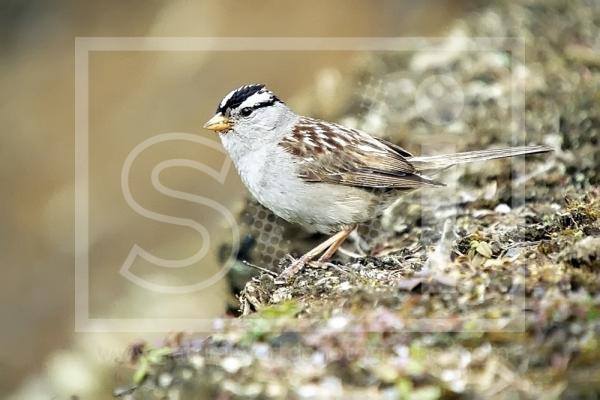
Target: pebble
(502, 208)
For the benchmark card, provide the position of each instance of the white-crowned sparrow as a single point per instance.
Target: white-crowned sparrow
(322, 175)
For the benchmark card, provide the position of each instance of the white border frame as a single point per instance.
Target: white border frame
(85, 45)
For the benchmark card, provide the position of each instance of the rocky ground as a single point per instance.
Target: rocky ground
(489, 288)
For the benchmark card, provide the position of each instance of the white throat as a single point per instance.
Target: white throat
(253, 146)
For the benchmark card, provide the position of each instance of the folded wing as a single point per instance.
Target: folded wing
(332, 153)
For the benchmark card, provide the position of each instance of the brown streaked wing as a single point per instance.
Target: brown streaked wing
(351, 158)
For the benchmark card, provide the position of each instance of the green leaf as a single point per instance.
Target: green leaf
(593, 314)
(484, 249)
(286, 309)
(426, 393)
(155, 356)
(141, 371)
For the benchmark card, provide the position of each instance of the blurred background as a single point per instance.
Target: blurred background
(134, 96)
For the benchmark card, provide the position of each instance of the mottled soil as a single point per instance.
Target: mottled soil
(487, 289)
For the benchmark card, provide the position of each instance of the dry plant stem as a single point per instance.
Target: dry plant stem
(329, 246)
(265, 270)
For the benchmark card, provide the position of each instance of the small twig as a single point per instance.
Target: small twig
(340, 269)
(350, 253)
(523, 244)
(519, 244)
(268, 271)
(358, 241)
(541, 170)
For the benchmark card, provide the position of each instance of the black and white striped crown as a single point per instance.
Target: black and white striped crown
(248, 96)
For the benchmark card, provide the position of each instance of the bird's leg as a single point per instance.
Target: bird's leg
(333, 242)
(336, 245)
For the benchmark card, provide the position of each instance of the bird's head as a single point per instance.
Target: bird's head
(247, 111)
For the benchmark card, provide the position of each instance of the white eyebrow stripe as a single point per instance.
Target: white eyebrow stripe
(256, 98)
(226, 98)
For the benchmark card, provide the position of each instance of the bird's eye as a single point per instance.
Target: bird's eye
(244, 112)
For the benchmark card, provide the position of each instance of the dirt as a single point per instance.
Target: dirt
(487, 289)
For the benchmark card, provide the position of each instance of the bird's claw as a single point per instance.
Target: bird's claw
(291, 270)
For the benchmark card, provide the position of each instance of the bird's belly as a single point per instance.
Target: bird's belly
(322, 207)
(318, 206)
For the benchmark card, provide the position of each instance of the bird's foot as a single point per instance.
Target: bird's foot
(292, 269)
(297, 265)
(328, 248)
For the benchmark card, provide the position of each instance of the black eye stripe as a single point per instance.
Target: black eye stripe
(247, 111)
